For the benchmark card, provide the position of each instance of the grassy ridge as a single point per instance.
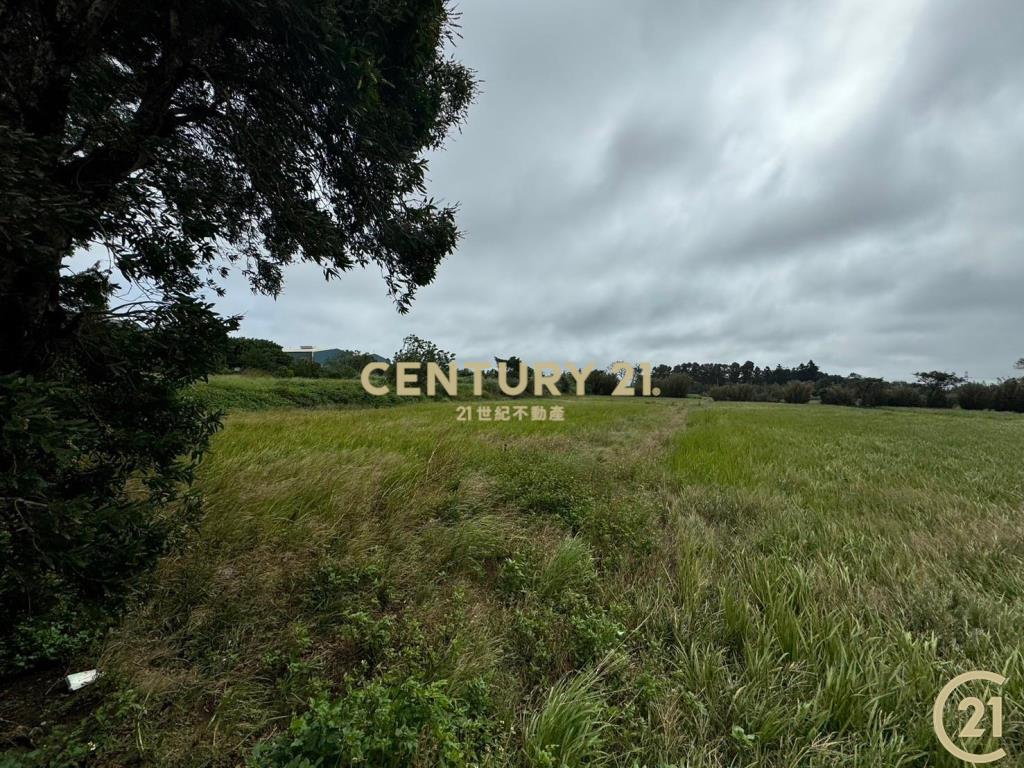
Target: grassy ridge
(253, 393)
(243, 392)
(648, 583)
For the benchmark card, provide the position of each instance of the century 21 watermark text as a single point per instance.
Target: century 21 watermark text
(545, 378)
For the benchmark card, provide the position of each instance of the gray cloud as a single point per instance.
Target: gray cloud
(695, 181)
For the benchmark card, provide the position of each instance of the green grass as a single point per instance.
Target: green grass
(253, 393)
(649, 583)
(248, 392)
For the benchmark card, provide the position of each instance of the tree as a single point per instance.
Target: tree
(258, 354)
(940, 380)
(798, 392)
(417, 350)
(181, 139)
(938, 384)
(673, 385)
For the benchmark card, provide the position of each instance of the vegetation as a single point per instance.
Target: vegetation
(181, 139)
(257, 355)
(252, 393)
(798, 392)
(649, 582)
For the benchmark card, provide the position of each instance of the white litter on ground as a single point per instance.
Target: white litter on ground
(78, 680)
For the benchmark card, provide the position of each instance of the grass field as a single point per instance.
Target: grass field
(648, 583)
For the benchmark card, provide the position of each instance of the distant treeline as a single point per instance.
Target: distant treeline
(931, 389)
(722, 381)
(717, 374)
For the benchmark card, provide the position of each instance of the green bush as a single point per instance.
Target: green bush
(674, 385)
(601, 383)
(938, 398)
(1009, 396)
(838, 395)
(974, 396)
(383, 724)
(734, 392)
(94, 463)
(905, 396)
(798, 392)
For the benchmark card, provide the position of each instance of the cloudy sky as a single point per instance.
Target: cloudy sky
(667, 181)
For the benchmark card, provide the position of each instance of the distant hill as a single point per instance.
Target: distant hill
(324, 356)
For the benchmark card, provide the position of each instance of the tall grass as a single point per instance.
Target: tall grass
(567, 731)
(779, 586)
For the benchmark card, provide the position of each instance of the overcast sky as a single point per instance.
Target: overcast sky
(669, 181)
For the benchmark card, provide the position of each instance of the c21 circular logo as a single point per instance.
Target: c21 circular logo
(981, 713)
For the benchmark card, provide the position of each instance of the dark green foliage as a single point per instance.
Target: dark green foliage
(735, 392)
(1009, 396)
(870, 392)
(798, 392)
(974, 396)
(257, 354)
(92, 462)
(516, 370)
(601, 383)
(905, 396)
(938, 385)
(417, 350)
(348, 364)
(838, 395)
(673, 385)
(383, 724)
(706, 375)
(230, 393)
(306, 369)
(180, 138)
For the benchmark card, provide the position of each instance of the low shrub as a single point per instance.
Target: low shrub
(797, 392)
(674, 385)
(1009, 396)
(838, 395)
(733, 392)
(388, 725)
(601, 383)
(975, 396)
(905, 396)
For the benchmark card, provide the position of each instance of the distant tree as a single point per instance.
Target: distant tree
(837, 394)
(601, 383)
(798, 392)
(417, 350)
(746, 372)
(306, 368)
(674, 385)
(513, 366)
(937, 385)
(869, 391)
(257, 354)
(941, 380)
(348, 365)
(974, 396)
